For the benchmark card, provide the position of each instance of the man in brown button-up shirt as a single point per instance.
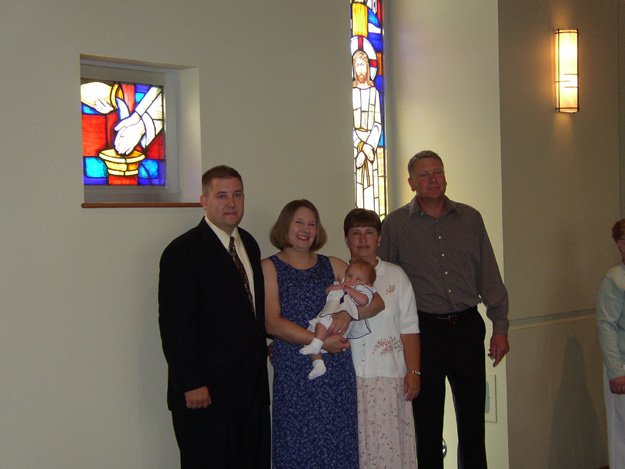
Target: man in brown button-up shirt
(445, 251)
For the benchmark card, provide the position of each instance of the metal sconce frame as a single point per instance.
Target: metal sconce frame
(567, 71)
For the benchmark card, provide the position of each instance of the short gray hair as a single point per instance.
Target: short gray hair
(420, 156)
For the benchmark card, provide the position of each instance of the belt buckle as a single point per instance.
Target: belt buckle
(453, 319)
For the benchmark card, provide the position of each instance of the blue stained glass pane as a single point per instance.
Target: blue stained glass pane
(95, 168)
(148, 169)
(95, 181)
(379, 83)
(373, 19)
(376, 41)
(141, 88)
(88, 110)
(151, 173)
(148, 182)
(123, 110)
(381, 144)
(139, 97)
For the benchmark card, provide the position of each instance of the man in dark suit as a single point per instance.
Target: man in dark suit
(212, 323)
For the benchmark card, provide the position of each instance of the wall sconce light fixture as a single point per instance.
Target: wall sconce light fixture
(567, 73)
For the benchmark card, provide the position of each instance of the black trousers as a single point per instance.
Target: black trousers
(228, 442)
(454, 351)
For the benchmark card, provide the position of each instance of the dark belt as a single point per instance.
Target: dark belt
(450, 318)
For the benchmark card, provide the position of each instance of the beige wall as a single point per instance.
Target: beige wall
(82, 372)
(444, 75)
(560, 198)
(532, 181)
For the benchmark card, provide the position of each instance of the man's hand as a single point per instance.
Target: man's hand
(198, 398)
(498, 347)
(617, 385)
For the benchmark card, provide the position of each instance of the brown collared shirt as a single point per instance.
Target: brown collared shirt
(449, 260)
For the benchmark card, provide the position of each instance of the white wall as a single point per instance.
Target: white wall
(546, 183)
(82, 373)
(445, 76)
(560, 198)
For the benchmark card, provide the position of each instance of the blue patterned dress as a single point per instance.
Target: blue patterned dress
(315, 422)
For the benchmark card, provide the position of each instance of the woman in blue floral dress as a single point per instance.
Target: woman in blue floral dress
(315, 422)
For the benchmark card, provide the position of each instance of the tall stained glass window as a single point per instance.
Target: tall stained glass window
(367, 47)
(123, 134)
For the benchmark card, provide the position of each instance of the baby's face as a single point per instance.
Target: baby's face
(356, 276)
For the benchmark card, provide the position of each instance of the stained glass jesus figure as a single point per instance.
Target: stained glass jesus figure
(367, 132)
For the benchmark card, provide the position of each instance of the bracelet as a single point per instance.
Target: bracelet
(416, 372)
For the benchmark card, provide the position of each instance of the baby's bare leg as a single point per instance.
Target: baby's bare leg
(321, 332)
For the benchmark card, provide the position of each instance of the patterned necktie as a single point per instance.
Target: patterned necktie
(235, 257)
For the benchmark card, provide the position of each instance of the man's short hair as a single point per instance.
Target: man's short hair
(362, 217)
(218, 172)
(366, 266)
(618, 230)
(279, 235)
(420, 156)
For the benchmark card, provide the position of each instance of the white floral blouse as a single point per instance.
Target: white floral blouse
(381, 354)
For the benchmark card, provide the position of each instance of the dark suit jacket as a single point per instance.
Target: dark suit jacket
(210, 334)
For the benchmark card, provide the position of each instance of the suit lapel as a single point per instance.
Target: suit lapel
(222, 261)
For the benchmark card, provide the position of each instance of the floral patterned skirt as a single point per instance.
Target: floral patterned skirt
(386, 434)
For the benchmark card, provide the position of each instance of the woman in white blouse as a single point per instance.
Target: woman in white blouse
(387, 361)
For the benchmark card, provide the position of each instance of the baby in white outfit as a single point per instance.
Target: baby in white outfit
(356, 290)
